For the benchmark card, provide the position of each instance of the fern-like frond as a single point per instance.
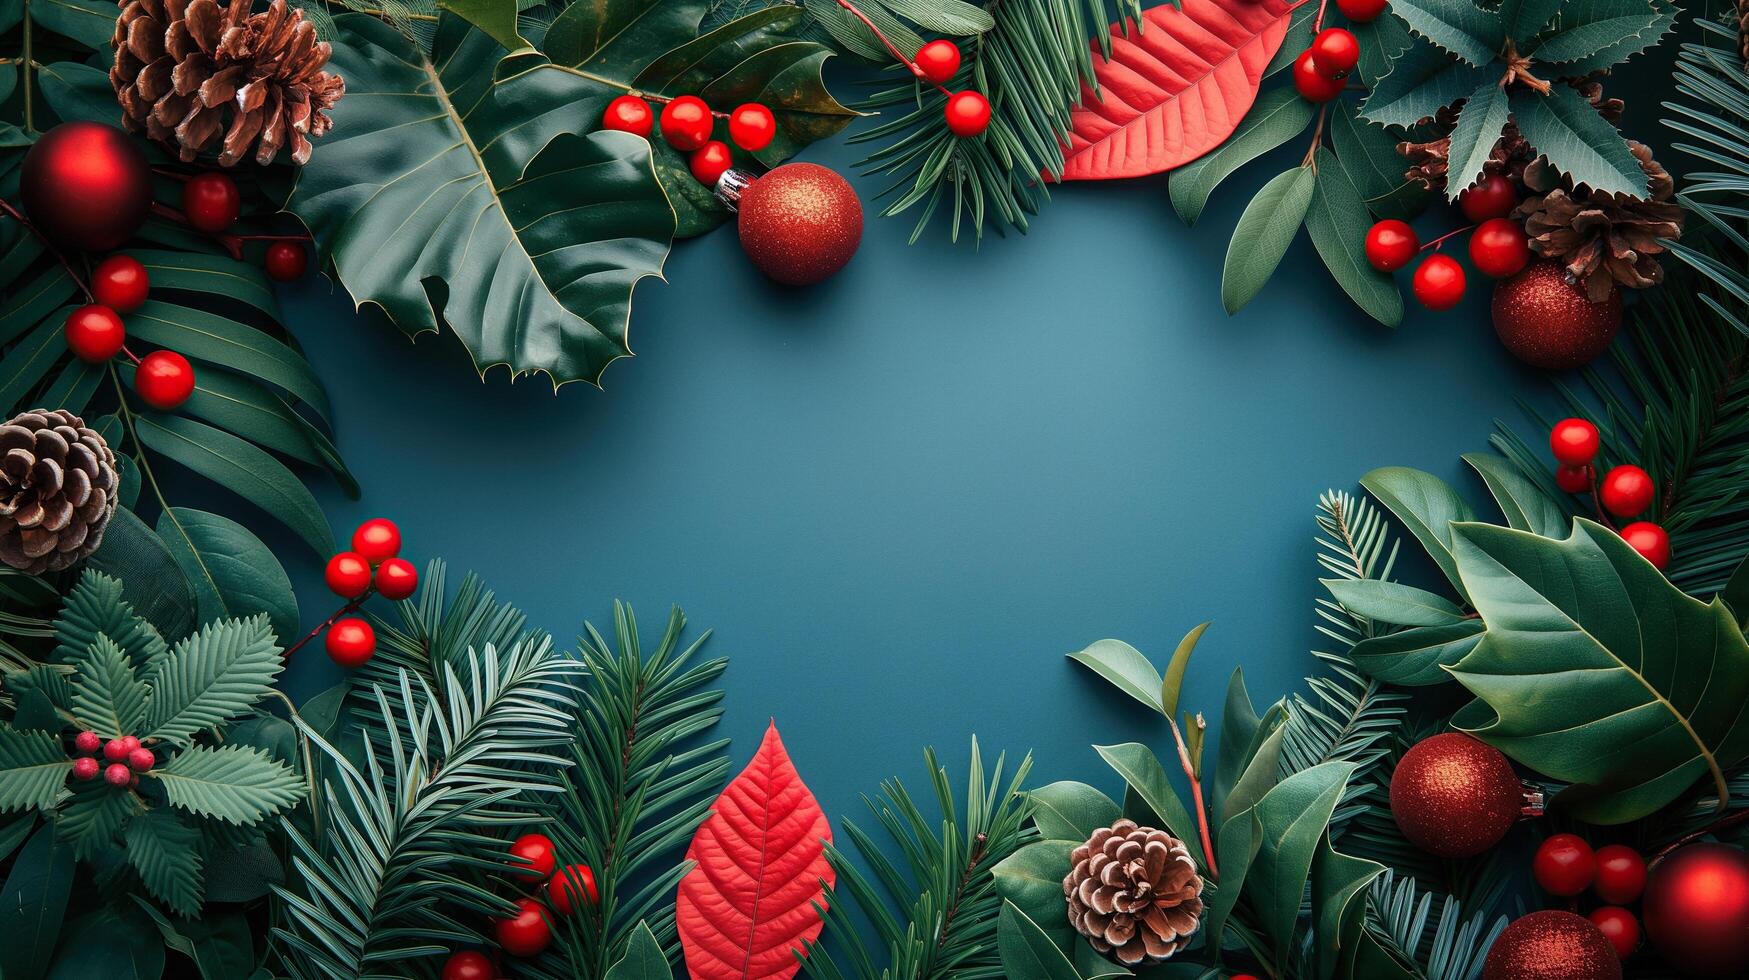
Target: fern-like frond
(1711, 117)
(1398, 916)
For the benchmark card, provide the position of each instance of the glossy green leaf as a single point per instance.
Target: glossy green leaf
(1381, 39)
(1589, 27)
(1172, 683)
(1071, 811)
(1369, 153)
(1292, 817)
(1241, 733)
(203, 272)
(90, 22)
(1416, 657)
(1427, 506)
(1126, 669)
(79, 92)
(1421, 80)
(1278, 116)
(495, 17)
(1240, 838)
(1339, 884)
(1032, 879)
(1579, 142)
(1337, 223)
(1263, 234)
(1480, 121)
(1471, 32)
(1393, 602)
(1142, 771)
(207, 337)
(1027, 951)
(643, 959)
(1595, 670)
(233, 573)
(1526, 506)
(32, 905)
(1262, 769)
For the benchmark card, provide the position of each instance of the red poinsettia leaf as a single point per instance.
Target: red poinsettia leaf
(1175, 89)
(747, 907)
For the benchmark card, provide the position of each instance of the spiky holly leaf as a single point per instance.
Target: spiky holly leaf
(235, 784)
(33, 769)
(1483, 116)
(1420, 82)
(95, 606)
(1590, 27)
(1628, 45)
(164, 847)
(93, 815)
(1579, 142)
(211, 677)
(1469, 32)
(1523, 19)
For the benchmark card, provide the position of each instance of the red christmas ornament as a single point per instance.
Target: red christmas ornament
(752, 127)
(120, 283)
(1312, 82)
(164, 379)
(1575, 442)
(469, 965)
(1696, 909)
(1547, 322)
(88, 743)
(709, 162)
(1391, 245)
(1335, 51)
(1651, 541)
(347, 575)
(526, 933)
(117, 774)
(967, 114)
(939, 61)
(576, 880)
(1456, 796)
(1627, 491)
(94, 333)
(86, 186)
(1619, 926)
(535, 857)
(211, 202)
(629, 114)
(397, 578)
(1564, 865)
(351, 642)
(377, 539)
(800, 223)
(141, 759)
(1492, 197)
(1499, 249)
(1362, 11)
(1439, 282)
(116, 750)
(285, 261)
(86, 769)
(687, 123)
(1574, 479)
(1621, 874)
(1552, 946)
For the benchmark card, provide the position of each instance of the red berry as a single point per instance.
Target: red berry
(1627, 491)
(117, 775)
(576, 880)
(1650, 540)
(709, 162)
(1439, 282)
(164, 379)
(85, 770)
(1361, 11)
(1574, 479)
(116, 750)
(1312, 82)
(377, 539)
(629, 114)
(1499, 249)
(526, 933)
(88, 743)
(967, 113)
(687, 123)
(1564, 865)
(351, 642)
(1492, 197)
(469, 965)
(397, 578)
(1391, 244)
(347, 575)
(1574, 442)
(939, 61)
(1335, 51)
(211, 202)
(120, 283)
(129, 742)
(140, 760)
(1621, 874)
(95, 333)
(285, 261)
(536, 853)
(1619, 926)
(752, 127)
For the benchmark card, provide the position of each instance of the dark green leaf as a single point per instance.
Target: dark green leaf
(1479, 125)
(1564, 127)
(202, 336)
(1240, 838)
(1525, 505)
(79, 92)
(1524, 19)
(1263, 234)
(1292, 818)
(1421, 80)
(219, 943)
(232, 572)
(1369, 153)
(643, 959)
(1027, 952)
(1071, 811)
(1139, 767)
(90, 22)
(1381, 39)
(1611, 55)
(1589, 27)
(1032, 879)
(619, 38)
(1416, 657)
(1339, 884)
(32, 904)
(1468, 31)
(1392, 602)
(1337, 222)
(112, 945)
(1278, 116)
(496, 17)
(1427, 506)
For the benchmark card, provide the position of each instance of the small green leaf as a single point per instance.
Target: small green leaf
(1339, 884)
(643, 959)
(1173, 682)
(1524, 504)
(1479, 125)
(1417, 657)
(107, 697)
(234, 784)
(33, 769)
(1262, 769)
(1240, 838)
(1369, 153)
(1293, 817)
(91, 819)
(1263, 234)
(1393, 602)
(211, 677)
(1141, 769)
(1567, 129)
(164, 847)
(1470, 32)
(1027, 952)
(1126, 669)
(1427, 506)
(1337, 222)
(1278, 116)
(1071, 811)
(1032, 879)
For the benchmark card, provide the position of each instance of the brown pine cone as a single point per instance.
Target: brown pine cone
(188, 73)
(57, 490)
(1134, 893)
(1603, 240)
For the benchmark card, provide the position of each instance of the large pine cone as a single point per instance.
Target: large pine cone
(57, 490)
(187, 71)
(1602, 239)
(1134, 892)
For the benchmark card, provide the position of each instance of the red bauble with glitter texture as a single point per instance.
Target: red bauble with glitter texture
(1621, 874)
(1335, 51)
(211, 202)
(1564, 865)
(939, 61)
(347, 575)
(575, 879)
(164, 379)
(1492, 197)
(1312, 82)
(285, 261)
(687, 123)
(377, 539)
(800, 223)
(1696, 909)
(967, 114)
(1627, 491)
(469, 965)
(1499, 249)
(526, 933)
(1362, 11)
(1574, 479)
(1455, 796)
(1619, 926)
(120, 283)
(397, 578)
(1439, 282)
(1575, 442)
(351, 642)
(1391, 245)
(94, 333)
(1552, 945)
(752, 127)
(86, 186)
(1651, 541)
(1546, 321)
(709, 162)
(629, 114)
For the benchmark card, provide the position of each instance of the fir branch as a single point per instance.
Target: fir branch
(1398, 916)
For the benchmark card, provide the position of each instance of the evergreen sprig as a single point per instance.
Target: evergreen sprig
(1714, 85)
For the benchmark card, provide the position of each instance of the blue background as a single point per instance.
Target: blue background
(900, 497)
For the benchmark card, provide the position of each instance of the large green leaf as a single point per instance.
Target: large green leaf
(1392, 602)
(1337, 223)
(1292, 817)
(1467, 30)
(1339, 884)
(107, 698)
(33, 769)
(1278, 116)
(1589, 27)
(233, 573)
(1141, 769)
(1071, 811)
(1027, 951)
(1263, 234)
(1369, 153)
(234, 784)
(1596, 671)
(1126, 668)
(1421, 80)
(1427, 506)
(1579, 142)
(211, 677)
(32, 904)
(1478, 128)
(116, 943)
(440, 206)
(496, 17)
(1032, 879)
(164, 847)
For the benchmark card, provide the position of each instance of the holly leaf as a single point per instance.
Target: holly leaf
(107, 698)
(231, 783)
(1337, 222)
(164, 847)
(1468, 31)
(1279, 115)
(1578, 142)
(1629, 45)
(1421, 81)
(33, 769)
(1483, 116)
(1263, 234)
(1590, 27)
(211, 677)
(1382, 40)
(1522, 20)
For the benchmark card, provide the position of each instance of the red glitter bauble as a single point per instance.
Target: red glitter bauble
(86, 186)
(1546, 321)
(1552, 946)
(800, 223)
(1696, 909)
(1455, 796)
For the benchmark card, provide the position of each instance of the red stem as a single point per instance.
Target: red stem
(1318, 21)
(232, 243)
(1434, 245)
(78, 279)
(892, 48)
(1723, 823)
(131, 355)
(1597, 503)
(1202, 819)
(348, 609)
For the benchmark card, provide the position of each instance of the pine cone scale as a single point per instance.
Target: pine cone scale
(1134, 892)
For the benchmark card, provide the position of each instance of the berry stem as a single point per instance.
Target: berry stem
(18, 216)
(888, 44)
(1723, 823)
(343, 611)
(131, 355)
(1597, 504)
(1318, 21)
(1311, 157)
(1202, 818)
(1434, 245)
(232, 243)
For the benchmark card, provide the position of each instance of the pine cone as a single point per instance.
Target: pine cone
(57, 490)
(1134, 892)
(187, 71)
(1602, 239)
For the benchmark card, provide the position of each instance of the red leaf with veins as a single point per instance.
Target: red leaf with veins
(1174, 90)
(747, 907)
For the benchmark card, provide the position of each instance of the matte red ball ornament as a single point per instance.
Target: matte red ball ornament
(164, 379)
(120, 283)
(1455, 796)
(1439, 282)
(533, 854)
(1391, 245)
(1564, 865)
(709, 162)
(1547, 322)
(1491, 197)
(347, 575)
(1335, 51)
(1621, 874)
(397, 578)
(752, 127)
(377, 539)
(1312, 82)
(1499, 249)
(526, 933)
(575, 880)
(94, 333)
(285, 261)
(211, 201)
(1552, 945)
(88, 743)
(1619, 926)
(939, 61)
(86, 769)
(469, 965)
(629, 114)
(800, 223)
(351, 642)
(117, 774)
(687, 123)
(1650, 541)
(86, 186)
(1362, 11)
(1574, 479)
(1696, 909)
(1627, 491)
(967, 114)
(1575, 442)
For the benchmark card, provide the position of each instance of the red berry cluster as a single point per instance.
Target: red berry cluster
(1565, 866)
(125, 756)
(687, 124)
(1498, 245)
(529, 931)
(94, 332)
(371, 567)
(1626, 491)
(1321, 71)
(212, 203)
